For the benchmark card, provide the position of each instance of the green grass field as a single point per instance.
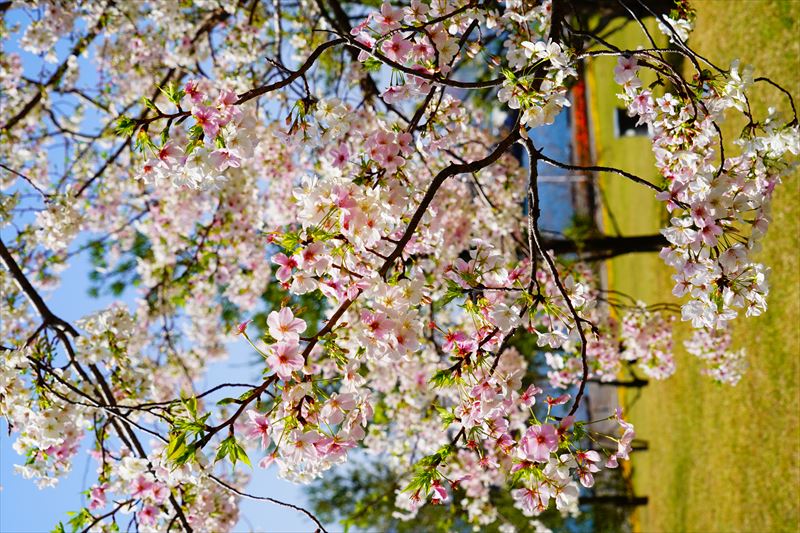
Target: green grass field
(721, 459)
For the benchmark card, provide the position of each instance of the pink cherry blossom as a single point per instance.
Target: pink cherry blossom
(528, 398)
(268, 460)
(97, 496)
(284, 358)
(194, 91)
(287, 264)
(258, 427)
(242, 327)
(539, 442)
(170, 153)
(389, 16)
(159, 492)
(148, 515)
(339, 155)
(396, 48)
(140, 487)
(206, 118)
(283, 326)
(438, 492)
(224, 158)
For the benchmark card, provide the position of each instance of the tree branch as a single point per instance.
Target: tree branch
(533, 157)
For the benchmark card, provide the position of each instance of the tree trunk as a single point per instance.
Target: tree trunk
(615, 8)
(633, 384)
(617, 500)
(608, 245)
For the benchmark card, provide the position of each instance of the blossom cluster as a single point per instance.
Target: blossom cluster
(647, 339)
(220, 137)
(720, 210)
(143, 486)
(539, 100)
(50, 425)
(59, 224)
(722, 364)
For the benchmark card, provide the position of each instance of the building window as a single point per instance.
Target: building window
(625, 126)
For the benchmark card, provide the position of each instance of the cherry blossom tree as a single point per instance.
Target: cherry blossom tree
(334, 184)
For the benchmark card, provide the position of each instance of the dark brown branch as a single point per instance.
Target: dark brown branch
(309, 62)
(112, 512)
(436, 78)
(55, 78)
(47, 315)
(26, 178)
(784, 91)
(533, 158)
(242, 494)
(593, 168)
(441, 177)
(633, 384)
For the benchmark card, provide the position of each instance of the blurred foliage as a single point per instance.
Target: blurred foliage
(360, 496)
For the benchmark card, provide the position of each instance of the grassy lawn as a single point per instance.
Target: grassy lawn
(721, 458)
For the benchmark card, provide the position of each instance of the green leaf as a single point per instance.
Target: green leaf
(242, 454)
(233, 450)
(223, 450)
(80, 519)
(176, 446)
(442, 378)
(172, 93)
(143, 141)
(191, 405)
(125, 126)
(187, 455)
(149, 104)
(117, 288)
(195, 132)
(227, 401)
(289, 241)
(446, 416)
(164, 137)
(372, 65)
(453, 292)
